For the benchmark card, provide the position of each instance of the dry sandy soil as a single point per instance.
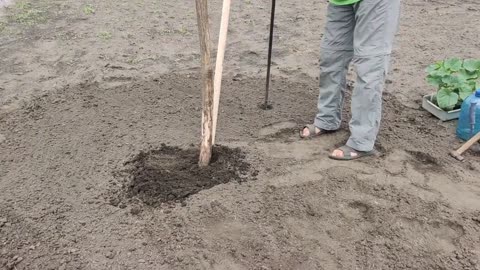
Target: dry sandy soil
(95, 97)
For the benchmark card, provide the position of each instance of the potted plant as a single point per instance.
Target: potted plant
(454, 80)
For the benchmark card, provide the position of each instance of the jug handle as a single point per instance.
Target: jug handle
(473, 107)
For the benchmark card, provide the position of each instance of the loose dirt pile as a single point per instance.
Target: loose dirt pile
(172, 174)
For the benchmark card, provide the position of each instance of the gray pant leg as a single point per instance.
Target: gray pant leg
(333, 84)
(376, 25)
(367, 101)
(337, 52)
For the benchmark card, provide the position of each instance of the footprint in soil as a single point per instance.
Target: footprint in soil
(278, 130)
(423, 161)
(441, 235)
(172, 174)
(361, 207)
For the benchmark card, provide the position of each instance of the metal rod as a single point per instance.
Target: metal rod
(270, 46)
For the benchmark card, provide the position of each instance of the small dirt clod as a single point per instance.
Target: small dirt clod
(135, 210)
(110, 255)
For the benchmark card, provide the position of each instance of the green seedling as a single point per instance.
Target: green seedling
(454, 80)
(88, 9)
(105, 35)
(25, 13)
(183, 31)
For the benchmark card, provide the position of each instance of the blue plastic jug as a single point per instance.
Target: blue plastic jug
(469, 122)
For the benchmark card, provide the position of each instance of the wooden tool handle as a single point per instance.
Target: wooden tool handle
(468, 144)
(222, 43)
(207, 80)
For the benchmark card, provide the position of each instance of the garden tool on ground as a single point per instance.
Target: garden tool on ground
(458, 153)
(266, 105)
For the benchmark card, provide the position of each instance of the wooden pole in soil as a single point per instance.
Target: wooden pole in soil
(222, 43)
(207, 81)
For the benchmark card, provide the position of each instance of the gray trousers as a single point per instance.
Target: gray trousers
(361, 34)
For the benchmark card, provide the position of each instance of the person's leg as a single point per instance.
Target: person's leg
(333, 84)
(367, 101)
(337, 53)
(376, 26)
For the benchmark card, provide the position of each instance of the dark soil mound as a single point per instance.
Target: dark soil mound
(172, 174)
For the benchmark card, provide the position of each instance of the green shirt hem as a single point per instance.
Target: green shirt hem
(344, 2)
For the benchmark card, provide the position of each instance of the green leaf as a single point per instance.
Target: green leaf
(431, 68)
(453, 64)
(467, 75)
(473, 85)
(434, 81)
(442, 71)
(472, 65)
(447, 99)
(453, 80)
(465, 91)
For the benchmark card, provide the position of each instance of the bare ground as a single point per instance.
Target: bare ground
(86, 87)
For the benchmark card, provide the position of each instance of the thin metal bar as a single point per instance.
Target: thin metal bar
(270, 46)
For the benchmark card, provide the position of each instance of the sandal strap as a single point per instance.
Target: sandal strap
(347, 151)
(311, 129)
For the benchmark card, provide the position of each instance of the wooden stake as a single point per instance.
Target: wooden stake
(207, 81)
(222, 43)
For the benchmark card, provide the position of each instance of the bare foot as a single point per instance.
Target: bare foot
(348, 153)
(340, 154)
(306, 132)
(310, 131)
